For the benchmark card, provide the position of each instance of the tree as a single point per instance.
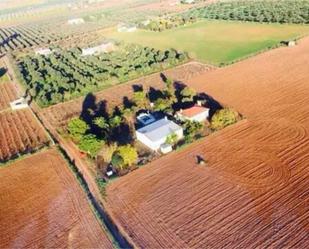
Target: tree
(90, 144)
(140, 99)
(77, 128)
(192, 128)
(115, 121)
(107, 151)
(172, 139)
(128, 115)
(187, 94)
(162, 105)
(101, 123)
(128, 154)
(169, 91)
(223, 118)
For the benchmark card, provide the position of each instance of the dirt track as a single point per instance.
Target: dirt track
(42, 206)
(254, 191)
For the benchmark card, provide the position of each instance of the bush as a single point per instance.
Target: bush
(223, 118)
(125, 157)
(90, 144)
(77, 128)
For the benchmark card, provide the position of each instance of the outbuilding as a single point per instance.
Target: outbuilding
(154, 135)
(76, 21)
(195, 113)
(103, 48)
(19, 104)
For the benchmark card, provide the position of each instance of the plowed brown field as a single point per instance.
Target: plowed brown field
(59, 114)
(20, 133)
(42, 206)
(254, 192)
(7, 94)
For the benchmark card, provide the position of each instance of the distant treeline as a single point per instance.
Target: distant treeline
(278, 11)
(66, 74)
(166, 22)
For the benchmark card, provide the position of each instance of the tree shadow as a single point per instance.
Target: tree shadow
(163, 77)
(127, 103)
(154, 94)
(2, 71)
(212, 104)
(9, 38)
(137, 88)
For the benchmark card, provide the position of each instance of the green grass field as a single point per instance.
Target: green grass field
(216, 42)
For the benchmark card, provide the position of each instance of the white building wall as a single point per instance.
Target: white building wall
(201, 117)
(157, 144)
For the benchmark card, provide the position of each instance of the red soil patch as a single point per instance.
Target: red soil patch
(42, 206)
(20, 132)
(254, 190)
(58, 115)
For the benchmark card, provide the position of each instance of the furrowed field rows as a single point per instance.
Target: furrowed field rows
(20, 133)
(253, 191)
(58, 215)
(7, 94)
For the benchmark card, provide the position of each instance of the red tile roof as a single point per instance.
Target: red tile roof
(193, 111)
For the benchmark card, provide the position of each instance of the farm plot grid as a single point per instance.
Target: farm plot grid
(20, 133)
(43, 206)
(253, 191)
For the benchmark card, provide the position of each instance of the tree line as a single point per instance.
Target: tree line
(277, 11)
(66, 74)
(166, 22)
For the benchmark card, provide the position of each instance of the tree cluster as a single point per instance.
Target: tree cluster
(276, 11)
(167, 22)
(66, 74)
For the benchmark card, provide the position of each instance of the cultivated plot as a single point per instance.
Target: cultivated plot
(253, 191)
(43, 206)
(20, 133)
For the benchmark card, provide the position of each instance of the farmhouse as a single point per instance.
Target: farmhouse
(76, 21)
(195, 113)
(103, 48)
(43, 51)
(154, 135)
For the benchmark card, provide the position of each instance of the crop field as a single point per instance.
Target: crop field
(20, 133)
(22, 37)
(43, 206)
(253, 190)
(58, 115)
(216, 42)
(7, 94)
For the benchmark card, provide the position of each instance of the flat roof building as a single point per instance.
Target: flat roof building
(154, 135)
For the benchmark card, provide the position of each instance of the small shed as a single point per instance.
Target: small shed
(76, 21)
(19, 104)
(103, 48)
(291, 43)
(43, 51)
